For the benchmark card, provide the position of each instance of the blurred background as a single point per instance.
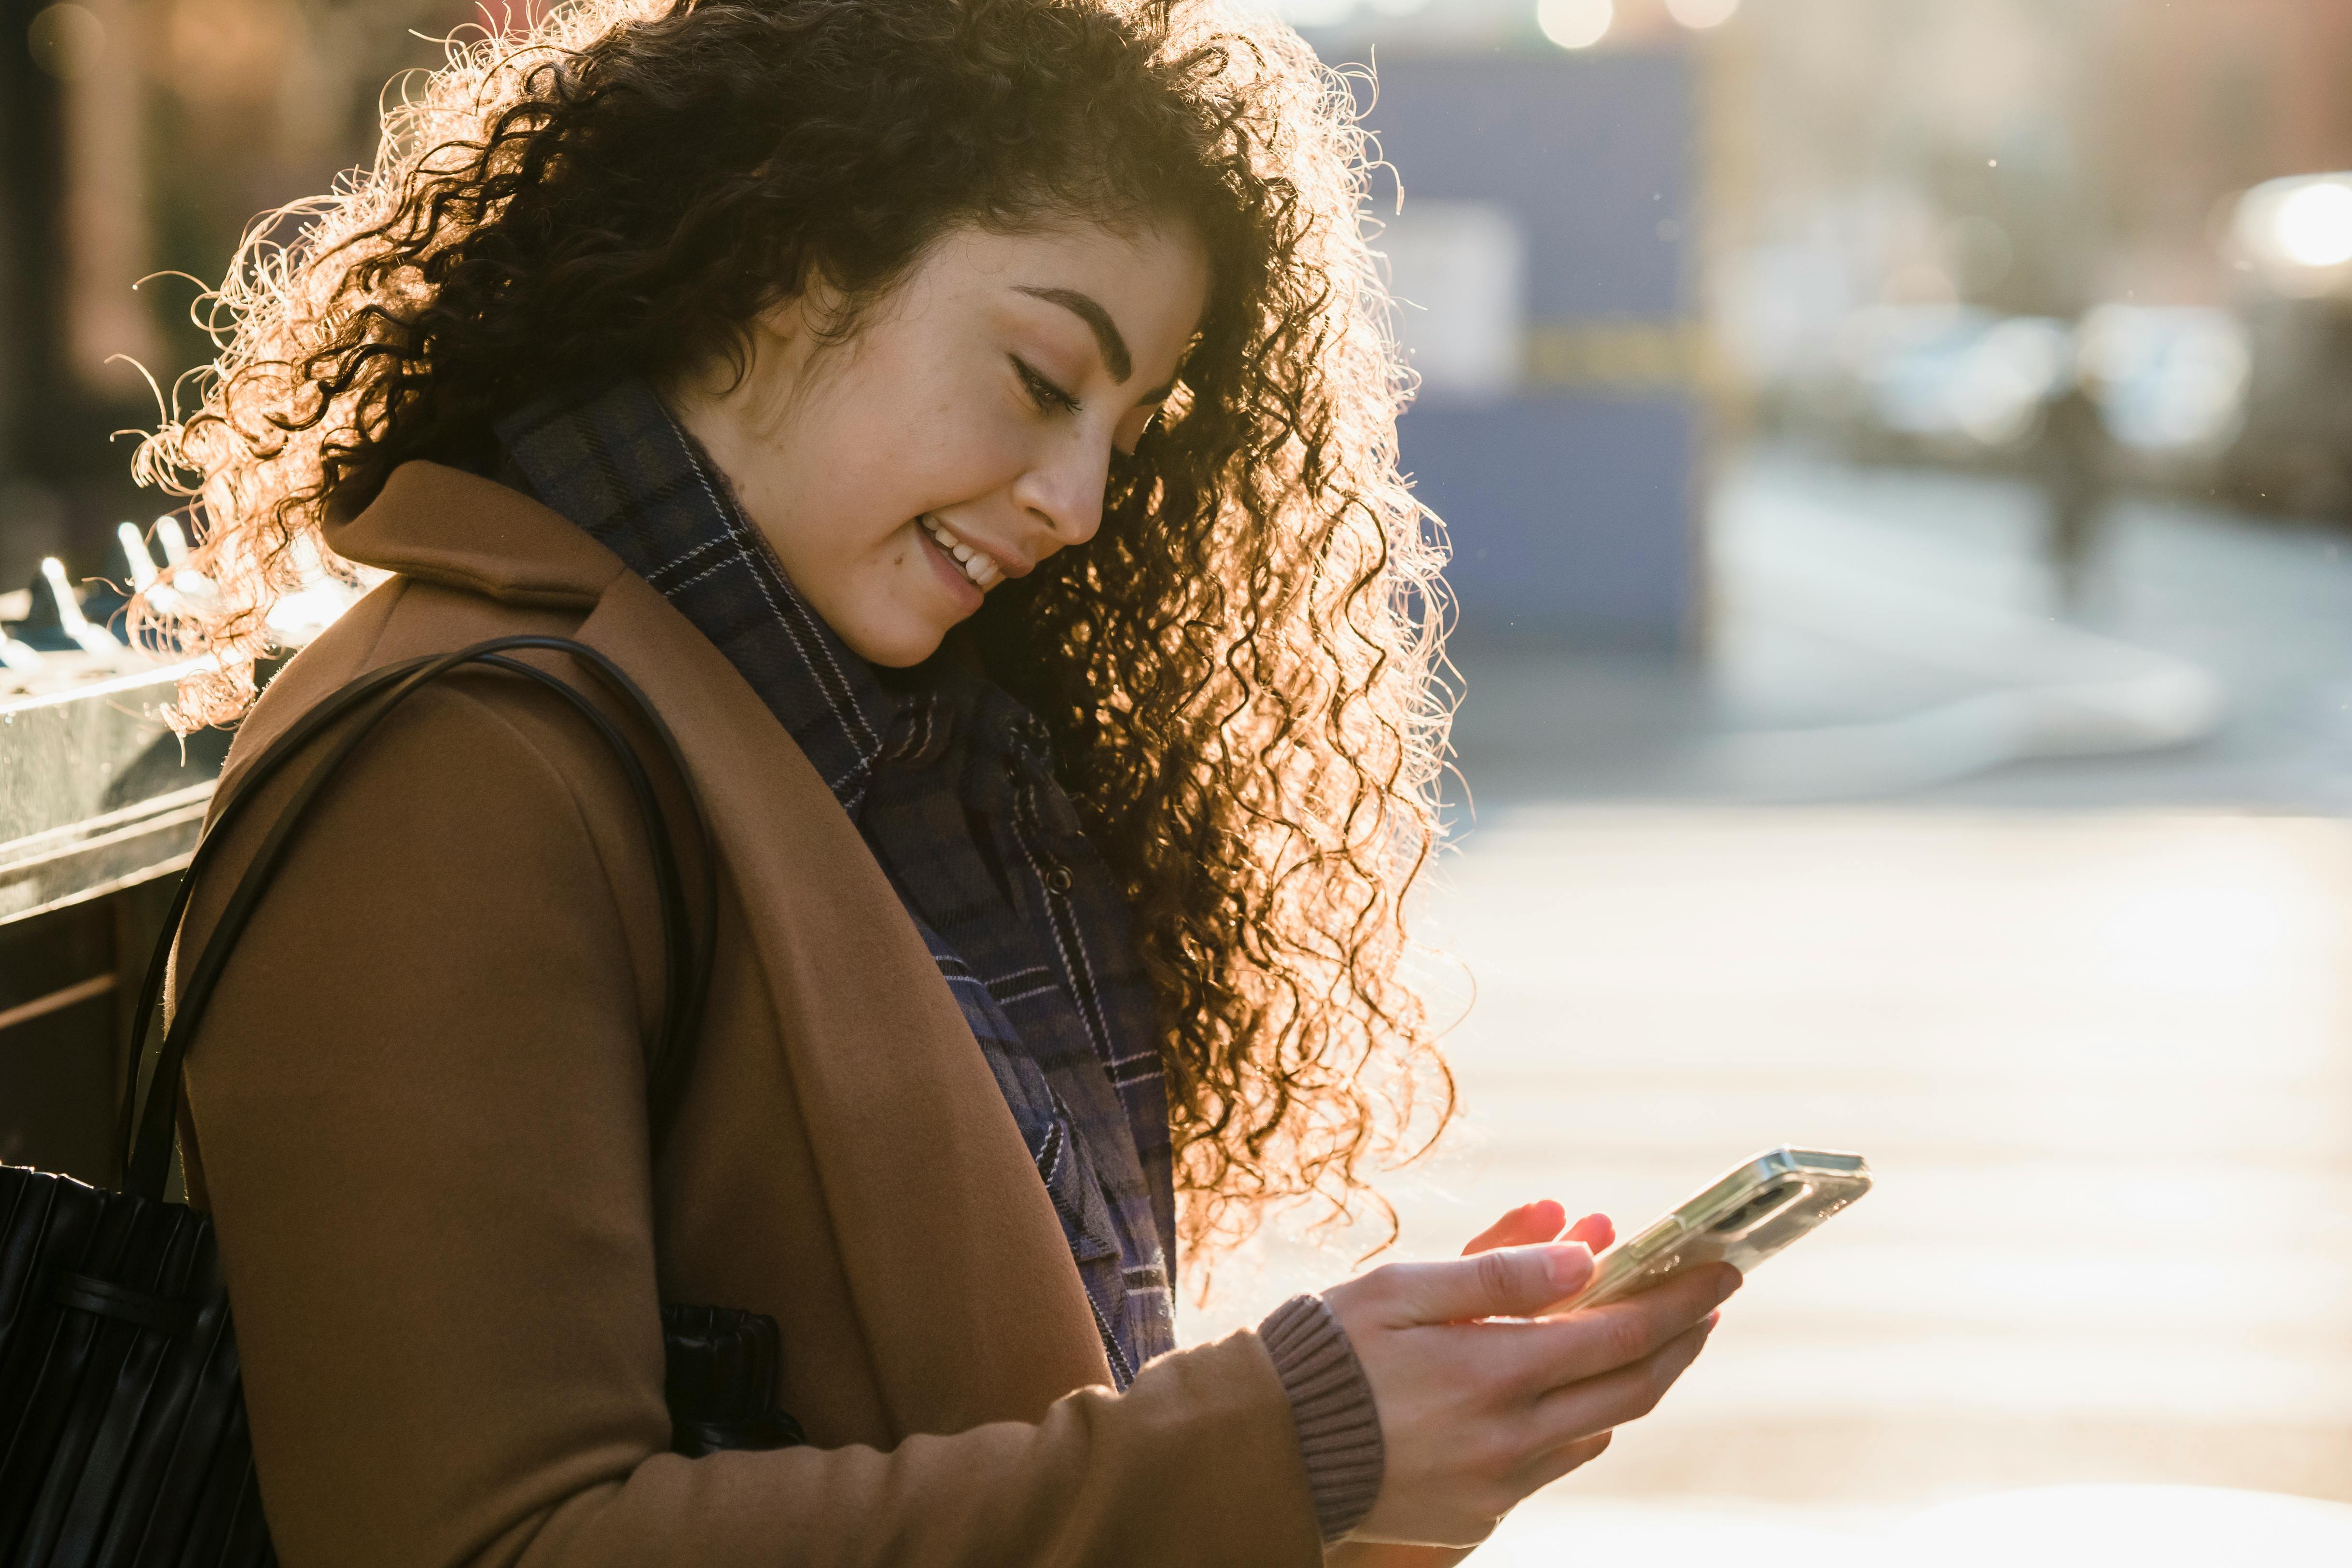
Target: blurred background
(1897, 455)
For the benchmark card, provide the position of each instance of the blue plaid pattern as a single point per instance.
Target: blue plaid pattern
(950, 783)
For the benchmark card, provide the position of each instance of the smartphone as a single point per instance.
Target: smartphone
(1752, 1211)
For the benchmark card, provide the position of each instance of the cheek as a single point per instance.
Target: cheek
(970, 451)
(949, 440)
(895, 440)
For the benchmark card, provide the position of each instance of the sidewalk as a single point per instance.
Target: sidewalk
(2099, 1064)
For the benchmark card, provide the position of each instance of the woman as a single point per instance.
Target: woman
(966, 420)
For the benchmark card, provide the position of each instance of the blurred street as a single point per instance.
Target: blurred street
(2088, 1015)
(1881, 633)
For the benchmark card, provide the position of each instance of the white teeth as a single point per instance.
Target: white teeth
(983, 572)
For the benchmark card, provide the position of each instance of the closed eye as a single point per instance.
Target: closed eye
(1043, 392)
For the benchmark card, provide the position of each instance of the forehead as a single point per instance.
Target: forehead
(1153, 281)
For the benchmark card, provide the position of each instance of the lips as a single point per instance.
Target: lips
(978, 566)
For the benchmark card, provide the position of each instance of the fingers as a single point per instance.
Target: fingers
(1577, 1345)
(1500, 1282)
(1594, 1230)
(1527, 1225)
(1572, 1414)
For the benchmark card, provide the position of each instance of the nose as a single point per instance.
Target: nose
(1062, 491)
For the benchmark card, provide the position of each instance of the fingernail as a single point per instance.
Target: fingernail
(1569, 1266)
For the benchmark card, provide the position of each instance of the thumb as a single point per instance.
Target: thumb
(1504, 1283)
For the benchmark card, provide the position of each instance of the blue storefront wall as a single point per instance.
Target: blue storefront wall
(1570, 500)
(1570, 516)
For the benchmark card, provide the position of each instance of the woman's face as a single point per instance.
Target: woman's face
(963, 434)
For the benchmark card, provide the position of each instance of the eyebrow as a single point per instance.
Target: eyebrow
(1087, 308)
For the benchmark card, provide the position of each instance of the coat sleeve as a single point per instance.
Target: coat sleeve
(417, 1103)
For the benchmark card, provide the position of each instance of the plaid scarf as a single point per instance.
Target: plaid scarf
(950, 783)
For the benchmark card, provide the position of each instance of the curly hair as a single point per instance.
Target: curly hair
(1239, 671)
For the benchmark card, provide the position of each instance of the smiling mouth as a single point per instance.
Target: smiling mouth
(983, 571)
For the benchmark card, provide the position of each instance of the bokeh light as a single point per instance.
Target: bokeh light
(1575, 24)
(2314, 224)
(66, 41)
(1702, 14)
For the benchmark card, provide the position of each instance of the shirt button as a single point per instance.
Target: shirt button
(1057, 879)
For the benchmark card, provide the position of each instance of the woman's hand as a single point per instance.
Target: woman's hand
(1475, 1415)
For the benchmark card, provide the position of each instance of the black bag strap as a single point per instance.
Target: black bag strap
(149, 1122)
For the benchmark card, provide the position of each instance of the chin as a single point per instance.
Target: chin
(899, 647)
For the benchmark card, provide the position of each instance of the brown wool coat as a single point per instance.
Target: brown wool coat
(418, 1117)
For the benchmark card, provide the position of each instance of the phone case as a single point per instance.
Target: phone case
(1753, 1211)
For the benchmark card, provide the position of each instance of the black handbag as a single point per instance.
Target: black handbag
(123, 1432)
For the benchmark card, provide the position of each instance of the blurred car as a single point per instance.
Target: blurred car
(1953, 380)
(2172, 381)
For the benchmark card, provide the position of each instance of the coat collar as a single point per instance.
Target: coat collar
(444, 525)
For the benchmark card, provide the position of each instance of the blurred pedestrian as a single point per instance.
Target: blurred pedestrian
(2071, 456)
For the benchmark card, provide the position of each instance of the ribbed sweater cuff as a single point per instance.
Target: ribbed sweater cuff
(1339, 1424)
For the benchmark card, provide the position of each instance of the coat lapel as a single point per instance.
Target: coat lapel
(960, 1275)
(957, 1271)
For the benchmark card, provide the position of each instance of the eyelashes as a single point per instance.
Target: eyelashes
(1050, 398)
(1043, 392)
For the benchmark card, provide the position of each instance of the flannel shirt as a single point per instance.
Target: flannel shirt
(951, 782)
